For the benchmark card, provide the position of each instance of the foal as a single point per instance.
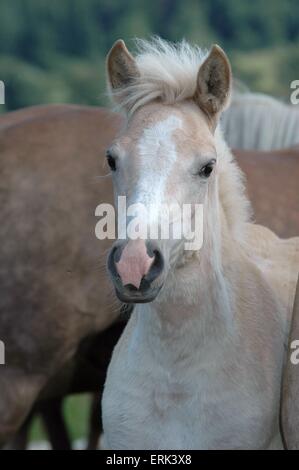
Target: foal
(199, 364)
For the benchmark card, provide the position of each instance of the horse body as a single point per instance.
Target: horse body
(54, 292)
(206, 373)
(290, 390)
(199, 365)
(266, 173)
(50, 258)
(256, 121)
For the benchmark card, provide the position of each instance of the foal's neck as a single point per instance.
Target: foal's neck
(198, 300)
(195, 308)
(190, 322)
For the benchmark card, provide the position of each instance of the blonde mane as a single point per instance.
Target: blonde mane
(261, 122)
(167, 72)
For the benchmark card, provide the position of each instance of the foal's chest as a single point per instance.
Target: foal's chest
(149, 407)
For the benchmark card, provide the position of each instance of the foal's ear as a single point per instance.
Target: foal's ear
(214, 83)
(121, 67)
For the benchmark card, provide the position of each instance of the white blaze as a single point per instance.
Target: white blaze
(158, 155)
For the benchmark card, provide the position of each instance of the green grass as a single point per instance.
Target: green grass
(76, 412)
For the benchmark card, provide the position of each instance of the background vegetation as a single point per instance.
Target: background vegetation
(54, 51)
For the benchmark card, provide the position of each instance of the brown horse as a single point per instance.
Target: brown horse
(54, 294)
(273, 207)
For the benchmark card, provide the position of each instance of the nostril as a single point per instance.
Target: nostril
(156, 267)
(113, 258)
(144, 284)
(117, 253)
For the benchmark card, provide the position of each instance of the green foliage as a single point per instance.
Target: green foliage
(76, 410)
(55, 51)
(269, 71)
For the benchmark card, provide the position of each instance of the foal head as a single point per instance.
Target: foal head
(166, 156)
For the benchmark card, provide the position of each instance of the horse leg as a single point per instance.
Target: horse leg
(20, 440)
(52, 416)
(18, 394)
(95, 422)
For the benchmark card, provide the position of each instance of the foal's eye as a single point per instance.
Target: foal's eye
(111, 161)
(206, 171)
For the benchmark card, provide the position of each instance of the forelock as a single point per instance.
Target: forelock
(167, 73)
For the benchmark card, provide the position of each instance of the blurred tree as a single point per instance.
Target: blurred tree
(191, 23)
(55, 50)
(26, 85)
